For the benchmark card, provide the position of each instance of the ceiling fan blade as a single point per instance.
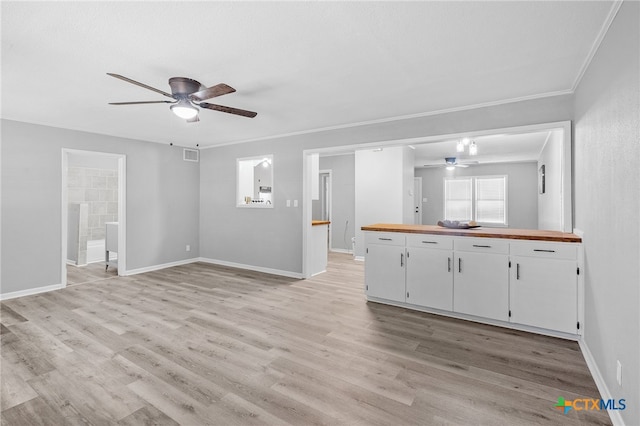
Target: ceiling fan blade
(194, 119)
(229, 110)
(461, 165)
(212, 92)
(141, 102)
(128, 80)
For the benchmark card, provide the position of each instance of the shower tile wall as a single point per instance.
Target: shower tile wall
(99, 189)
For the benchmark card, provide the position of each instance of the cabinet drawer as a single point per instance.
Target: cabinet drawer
(481, 245)
(545, 250)
(430, 241)
(388, 238)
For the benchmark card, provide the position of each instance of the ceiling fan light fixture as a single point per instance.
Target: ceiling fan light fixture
(184, 109)
(451, 167)
(473, 148)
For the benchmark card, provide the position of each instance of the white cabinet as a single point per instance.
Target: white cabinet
(429, 275)
(544, 286)
(481, 278)
(515, 283)
(384, 266)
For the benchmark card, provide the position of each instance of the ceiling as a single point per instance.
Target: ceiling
(302, 66)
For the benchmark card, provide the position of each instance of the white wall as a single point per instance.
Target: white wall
(379, 189)
(162, 202)
(607, 204)
(550, 203)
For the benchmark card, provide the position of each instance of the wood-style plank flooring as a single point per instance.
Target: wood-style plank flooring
(201, 344)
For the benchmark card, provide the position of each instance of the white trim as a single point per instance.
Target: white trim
(160, 266)
(578, 232)
(258, 159)
(616, 417)
(307, 204)
(399, 118)
(330, 200)
(30, 291)
(252, 267)
(340, 250)
(596, 44)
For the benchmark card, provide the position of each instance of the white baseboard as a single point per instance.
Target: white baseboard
(30, 291)
(359, 258)
(280, 272)
(157, 267)
(615, 416)
(340, 250)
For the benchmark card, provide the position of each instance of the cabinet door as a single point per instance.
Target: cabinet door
(430, 278)
(481, 285)
(544, 293)
(384, 271)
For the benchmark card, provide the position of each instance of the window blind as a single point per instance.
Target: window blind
(458, 201)
(491, 200)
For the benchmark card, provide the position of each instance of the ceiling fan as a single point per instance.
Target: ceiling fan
(451, 163)
(186, 94)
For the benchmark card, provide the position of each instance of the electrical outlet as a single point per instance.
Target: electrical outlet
(424, 200)
(295, 203)
(288, 203)
(188, 248)
(619, 373)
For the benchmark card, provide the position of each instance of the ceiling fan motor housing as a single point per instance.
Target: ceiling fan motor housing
(183, 86)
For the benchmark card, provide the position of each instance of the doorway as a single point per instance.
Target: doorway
(93, 216)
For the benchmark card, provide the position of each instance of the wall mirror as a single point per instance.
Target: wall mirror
(255, 182)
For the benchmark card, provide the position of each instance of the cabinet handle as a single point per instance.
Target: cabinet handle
(481, 246)
(430, 242)
(401, 259)
(545, 251)
(448, 264)
(459, 264)
(517, 271)
(385, 239)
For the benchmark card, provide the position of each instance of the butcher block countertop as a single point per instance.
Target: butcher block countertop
(517, 234)
(319, 222)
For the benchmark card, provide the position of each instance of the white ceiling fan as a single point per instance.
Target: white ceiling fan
(451, 163)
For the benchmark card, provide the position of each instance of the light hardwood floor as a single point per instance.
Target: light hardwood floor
(201, 344)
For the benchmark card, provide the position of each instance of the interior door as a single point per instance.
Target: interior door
(417, 200)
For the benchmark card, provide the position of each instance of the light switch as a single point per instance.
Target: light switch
(295, 203)
(424, 200)
(288, 203)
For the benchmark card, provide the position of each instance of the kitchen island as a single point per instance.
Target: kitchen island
(517, 278)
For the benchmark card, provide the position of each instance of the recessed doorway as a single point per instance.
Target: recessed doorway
(93, 216)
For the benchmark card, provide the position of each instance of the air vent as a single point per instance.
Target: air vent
(190, 155)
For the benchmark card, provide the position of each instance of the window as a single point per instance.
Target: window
(483, 199)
